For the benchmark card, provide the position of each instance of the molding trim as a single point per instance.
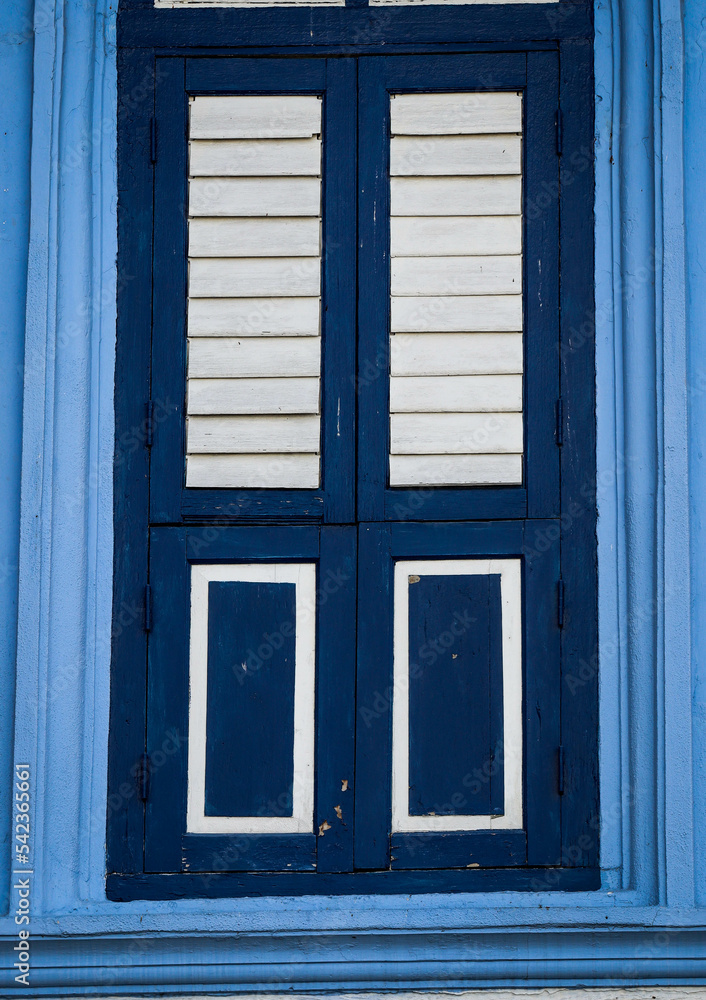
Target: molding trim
(246, 963)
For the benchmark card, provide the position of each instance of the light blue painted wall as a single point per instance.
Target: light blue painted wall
(643, 926)
(15, 79)
(695, 200)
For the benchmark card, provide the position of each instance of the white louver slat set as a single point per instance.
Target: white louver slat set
(254, 344)
(456, 283)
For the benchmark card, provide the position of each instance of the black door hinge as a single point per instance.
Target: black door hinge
(560, 603)
(149, 424)
(560, 421)
(148, 607)
(143, 776)
(153, 140)
(559, 133)
(560, 769)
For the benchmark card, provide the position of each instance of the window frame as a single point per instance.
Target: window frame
(145, 41)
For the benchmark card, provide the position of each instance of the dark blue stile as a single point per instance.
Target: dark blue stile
(430, 503)
(338, 305)
(169, 294)
(373, 698)
(501, 849)
(541, 265)
(228, 76)
(275, 543)
(373, 287)
(335, 699)
(378, 28)
(267, 852)
(378, 78)
(455, 663)
(580, 802)
(542, 659)
(251, 505)
(123, 888)
(250, 698)
(167, 700)
(496, 716)
(125, 827)
(451, 540)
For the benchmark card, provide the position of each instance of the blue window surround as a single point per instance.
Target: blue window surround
(646, 924)
(560, 784)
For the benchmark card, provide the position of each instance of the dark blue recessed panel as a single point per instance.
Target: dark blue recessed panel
(455, 695)
(250, 706)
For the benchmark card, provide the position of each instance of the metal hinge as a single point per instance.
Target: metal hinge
(143, 777)
(560, 769)
(148, 608)
(560, 421)
(559, 132)
(149, 424)
(153, 140)
(560, 603)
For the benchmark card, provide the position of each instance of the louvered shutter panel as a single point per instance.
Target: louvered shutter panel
(254, 366)
(456, 284)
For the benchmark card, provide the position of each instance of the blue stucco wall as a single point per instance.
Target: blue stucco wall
(16, 79)
(58, 289)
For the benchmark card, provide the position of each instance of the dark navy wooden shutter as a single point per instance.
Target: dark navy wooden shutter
(432, 754)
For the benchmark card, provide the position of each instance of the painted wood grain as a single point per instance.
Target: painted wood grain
(455, 433)
(263, 237)
(456, 313)
(254, 317)
(453, 156)
(456, 353)
(255, 157)
(211, 277)
(221, 357)
(255, 117)
(453, 236)
(457, 470)
(252, 434)
(455, 195)
(456, 275)
(465, 113)
(456, 394)
(220, 396)
(277, 471)
(254, 196)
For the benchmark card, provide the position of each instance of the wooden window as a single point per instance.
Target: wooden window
(358, 522)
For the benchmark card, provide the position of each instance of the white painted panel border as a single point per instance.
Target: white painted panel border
(303, 576)
(510, 572)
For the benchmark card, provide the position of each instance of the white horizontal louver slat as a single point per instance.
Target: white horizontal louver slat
(456, 351)
(254, 342)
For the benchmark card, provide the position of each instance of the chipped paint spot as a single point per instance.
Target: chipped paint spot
(323, 828)
(338, 811)
(344, 785)
(474, 864)
(454, 656)
(414, 579)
